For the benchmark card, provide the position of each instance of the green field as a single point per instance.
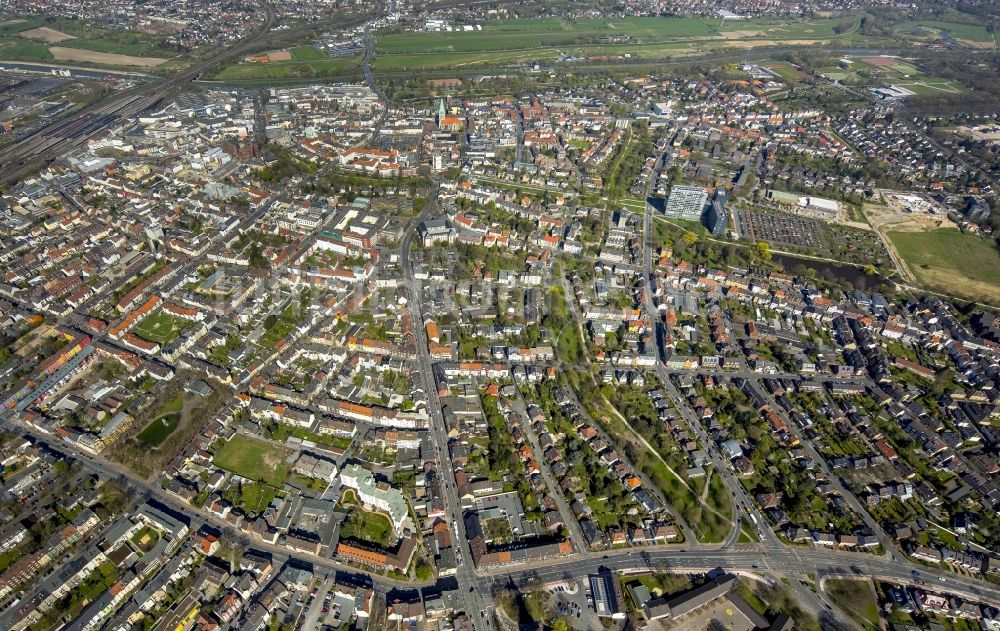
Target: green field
(516, 41)
(784, 70)
(160, 327)
(254, 459)
(307, 62)
(550, 32)
(957, 30)
(20, 49)
(368, 526)
(951, 262)
(931, 85)
(857, 599)
(15, 47)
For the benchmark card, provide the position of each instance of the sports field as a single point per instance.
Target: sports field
(254, 459)
(948, 261)
(931, 85)
(784, 70)
(160, 327)
(903, 74)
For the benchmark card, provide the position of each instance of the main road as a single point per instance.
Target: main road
(478, 602)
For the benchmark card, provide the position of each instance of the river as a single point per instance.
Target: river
(855, 276)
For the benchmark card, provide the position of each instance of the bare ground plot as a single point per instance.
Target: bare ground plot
(885, 218)
(758, 43)
(108, 59)
(47, 35)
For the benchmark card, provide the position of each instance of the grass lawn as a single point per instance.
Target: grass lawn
(971, 32)
(368, 526)
(305, 64)
(251, 496)
(146, 538)
(951, 262)
(284, 325)
(160, 327)
(254, 459)
(498, 530)
(857, 599)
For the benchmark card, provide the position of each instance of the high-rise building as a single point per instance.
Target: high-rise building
(717, 217)
(686, 202)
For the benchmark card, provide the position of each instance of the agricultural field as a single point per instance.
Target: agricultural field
(160, 327)
(49, 40)
(951, 262)
(520, 41)
(307, 62)
(887, 66)
(254, 459)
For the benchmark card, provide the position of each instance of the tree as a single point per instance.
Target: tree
(690, 238)
(870, 269)
(764, 250)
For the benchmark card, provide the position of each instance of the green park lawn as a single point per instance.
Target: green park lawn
(254, 459)
(368, 526)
